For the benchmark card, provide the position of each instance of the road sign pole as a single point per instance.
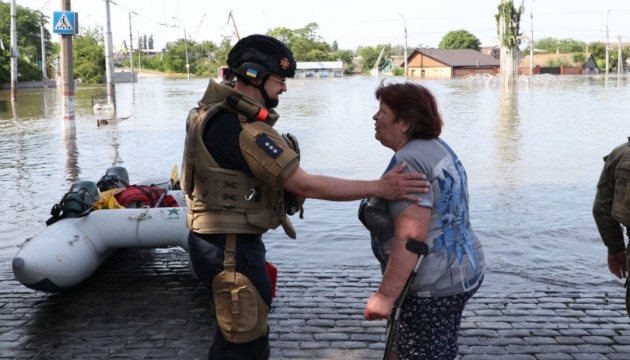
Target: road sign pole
(67, 72)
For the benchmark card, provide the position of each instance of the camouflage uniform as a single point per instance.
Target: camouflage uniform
(611, 208)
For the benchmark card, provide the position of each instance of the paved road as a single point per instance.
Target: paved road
(145, 304)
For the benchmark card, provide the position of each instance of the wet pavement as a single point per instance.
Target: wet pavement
(145, 304)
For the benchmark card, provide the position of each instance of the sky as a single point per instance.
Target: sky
(350, 23)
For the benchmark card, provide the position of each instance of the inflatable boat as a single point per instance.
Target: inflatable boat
(82, 234)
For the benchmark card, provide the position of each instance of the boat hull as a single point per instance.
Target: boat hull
(71, 250)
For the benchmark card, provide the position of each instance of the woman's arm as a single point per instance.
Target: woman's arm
(413, 223)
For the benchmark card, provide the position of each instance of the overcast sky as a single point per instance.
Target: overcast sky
(350, 23)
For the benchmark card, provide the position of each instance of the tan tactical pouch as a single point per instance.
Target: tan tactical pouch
(241, 312)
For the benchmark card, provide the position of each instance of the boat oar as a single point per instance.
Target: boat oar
(421, 249)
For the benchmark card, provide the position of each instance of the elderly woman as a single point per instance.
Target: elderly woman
(409, 123)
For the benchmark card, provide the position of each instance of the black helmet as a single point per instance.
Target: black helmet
(115, 177)
(257, 56)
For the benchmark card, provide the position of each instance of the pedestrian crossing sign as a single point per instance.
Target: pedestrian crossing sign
(65, 22)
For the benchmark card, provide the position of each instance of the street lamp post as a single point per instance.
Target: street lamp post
(405, 21)
(133, 74)
(266, 18)
(185, 47)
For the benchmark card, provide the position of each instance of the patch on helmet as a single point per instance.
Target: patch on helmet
(251, 73)
(284, 63)
(271, 148)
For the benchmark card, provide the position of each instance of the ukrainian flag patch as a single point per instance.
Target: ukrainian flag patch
(270, 147)
(251, 73)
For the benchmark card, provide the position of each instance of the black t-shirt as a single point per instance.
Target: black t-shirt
(221, 139)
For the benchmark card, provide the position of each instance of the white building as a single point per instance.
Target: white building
(319, 69)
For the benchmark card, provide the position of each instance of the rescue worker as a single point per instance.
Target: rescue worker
(611, 210)
(242, 178)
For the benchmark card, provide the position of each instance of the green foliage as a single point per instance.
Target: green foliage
(88, 56)
(598, 49)
(175, 58)
(563, 46)
(614, 57)
(29, 42)
(557, 63)
(579, 58)
(460, 39)
(370, 55)
(601, 63)
(398, 71)
(306, 45)
(511, 28)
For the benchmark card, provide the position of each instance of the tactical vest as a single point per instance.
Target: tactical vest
(229, 201)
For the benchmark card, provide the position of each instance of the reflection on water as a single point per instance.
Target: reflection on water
(507, 137)
(72, 153)
(532, 158)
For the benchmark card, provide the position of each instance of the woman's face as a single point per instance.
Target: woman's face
(389, 132)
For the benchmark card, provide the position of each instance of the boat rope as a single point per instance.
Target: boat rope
(142, 216)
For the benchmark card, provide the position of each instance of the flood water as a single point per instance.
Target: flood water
(533, 159)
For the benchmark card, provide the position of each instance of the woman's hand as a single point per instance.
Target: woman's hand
(379, 306)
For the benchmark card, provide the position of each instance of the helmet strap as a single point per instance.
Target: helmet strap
(269, 103)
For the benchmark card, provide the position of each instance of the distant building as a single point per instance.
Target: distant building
(390, 64)
(319, 69)
(449, 63)
(560, 64)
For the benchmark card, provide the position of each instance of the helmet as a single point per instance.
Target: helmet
(115, 177)
(81, 197)
(257, 56)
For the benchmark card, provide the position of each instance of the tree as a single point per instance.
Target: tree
(614, 57)
(306, 45)
(563, 46)
(598, 50)
(89, 56)
(460, 39)
(175, 58)
(370, 55)
(29, 42)
(151, 42)
(579, 58)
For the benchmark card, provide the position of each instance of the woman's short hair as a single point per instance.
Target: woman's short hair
(413, 102)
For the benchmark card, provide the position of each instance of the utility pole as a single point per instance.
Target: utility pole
(14, 53)
(67, 74)
(109, 64)
(619, 60)
(405, 21)
(185, 47)
(133, 75)
(139, 56)
(607, 41)
(531, 57)
(41, 29)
